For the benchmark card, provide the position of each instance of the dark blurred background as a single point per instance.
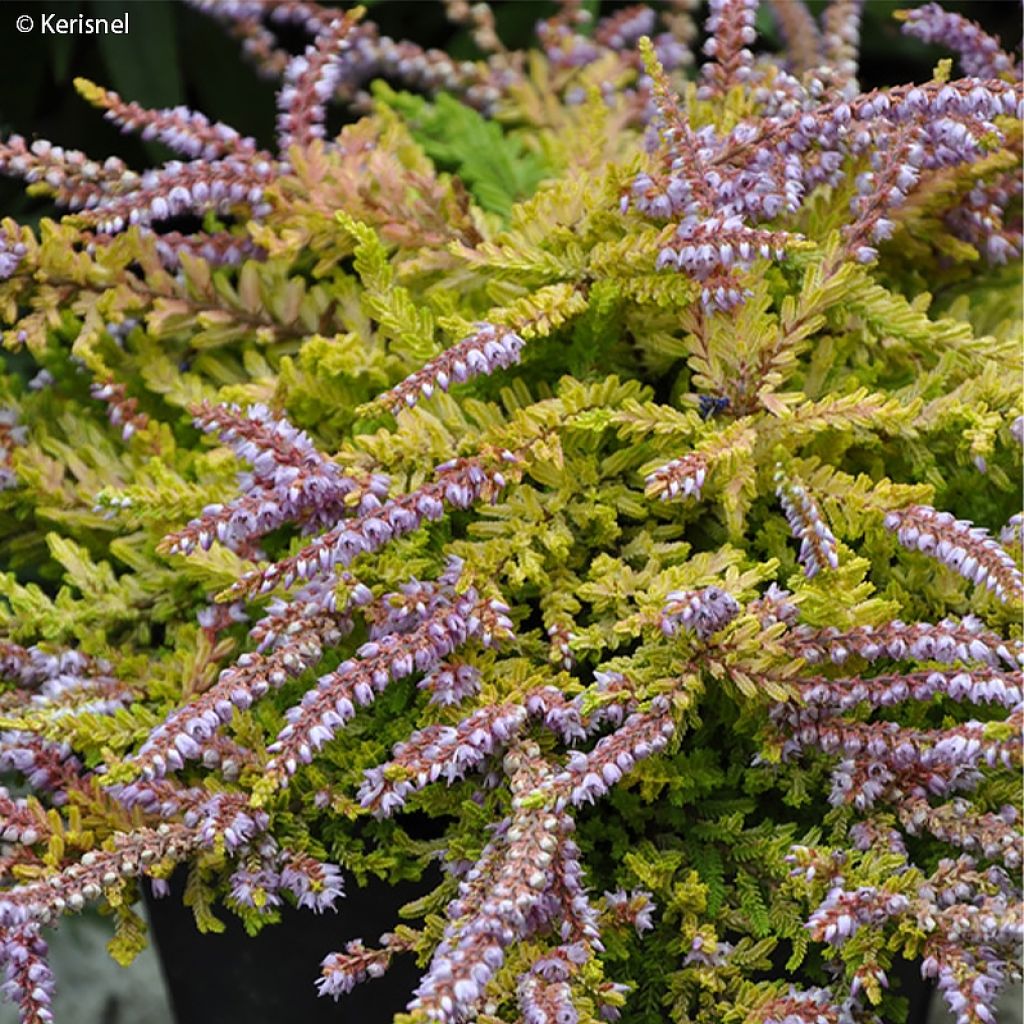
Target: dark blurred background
(173, 54)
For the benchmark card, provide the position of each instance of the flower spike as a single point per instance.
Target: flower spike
(817, 542)
(964, 547)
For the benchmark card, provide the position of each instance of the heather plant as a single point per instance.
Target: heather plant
(593, 473)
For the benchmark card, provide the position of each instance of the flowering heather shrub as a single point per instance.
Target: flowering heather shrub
(614, 463)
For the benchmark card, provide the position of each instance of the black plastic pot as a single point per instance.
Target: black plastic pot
(270, 979)
(914, 988)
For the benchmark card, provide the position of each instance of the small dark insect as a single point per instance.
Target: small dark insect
(712, 405)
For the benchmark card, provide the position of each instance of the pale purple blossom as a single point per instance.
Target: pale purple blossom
(958, 543)
(679, 478)
(817, 542)
(981, 55)
(450, 684)
(316, 885)
(490, 347)
(12, 252)
(636, 907)
(702, 612)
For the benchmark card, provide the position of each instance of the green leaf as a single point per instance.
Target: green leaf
(496, 166)
(752, 904)
(708, 862)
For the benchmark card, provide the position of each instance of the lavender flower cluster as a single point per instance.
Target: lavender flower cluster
(527, 880)
(341, 972)
(802, 1006)
(709, 249)
(884, 759)
(702, 612)
(310, 80)
(529, 877)
(32, 667)
(439, 751)
(588, 777)
(460, 482)
(886, 764)
(180, 129)
(842, 913)
(315, 885)
(682, 477)
(369, 55)
(450, 684)
(189, 733)
(12, 436)
(12, 251)
(47, 765)
(19, 822)
(991, 835)
(449, 752)
(976, 685)
(718, 185)
(971, 923)
(625, 28)
(61, 684)
(357, 681)
(291, 482)
(979, 218)
(39, 902)
(567, 47)
(774, 605)
(635, 908)
(488, 348)
(958, 543)
(1013, 530)
(28, 979)
(981, 55)
(817, 542)
(226, 173)
(707, 954)
(730, 29)
(947, 641)
(223, 172)
(176, 189)
(545, 996)
(122, 411)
